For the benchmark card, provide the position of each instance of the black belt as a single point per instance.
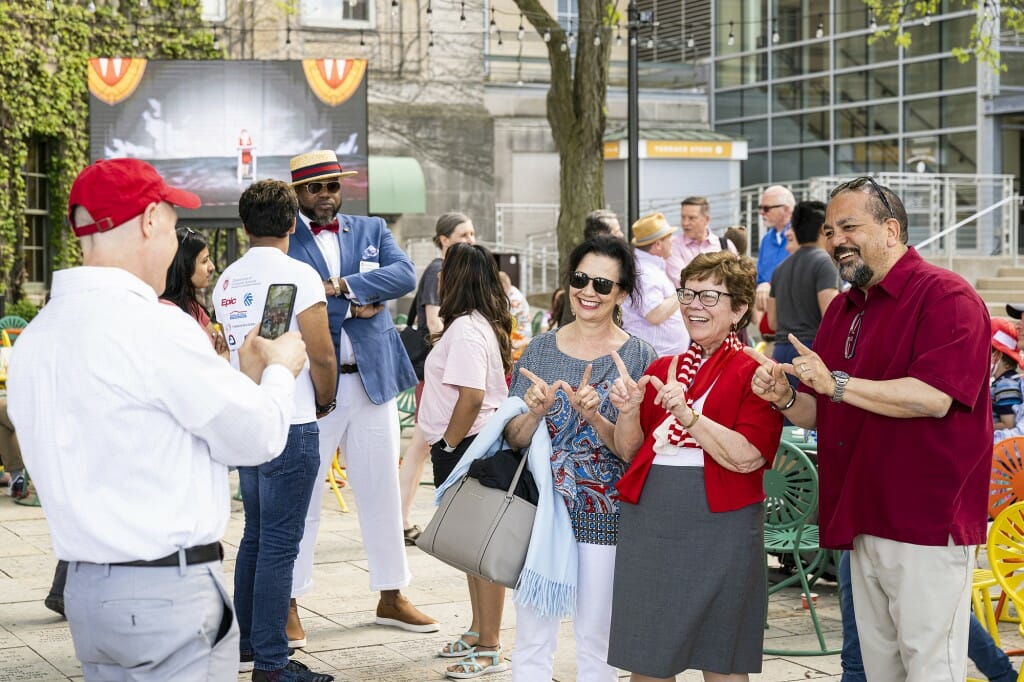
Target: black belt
(200, 554)
(348, 369)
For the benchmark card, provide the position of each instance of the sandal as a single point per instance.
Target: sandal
(471, 669)
(460, 648)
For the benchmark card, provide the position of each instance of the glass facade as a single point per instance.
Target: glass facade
(814, 93)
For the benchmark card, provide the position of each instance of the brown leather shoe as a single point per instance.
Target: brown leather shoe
(293, 628)
(400, 613)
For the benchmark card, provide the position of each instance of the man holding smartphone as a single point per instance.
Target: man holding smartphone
(129, 421)
(266, 288)
(360, 268)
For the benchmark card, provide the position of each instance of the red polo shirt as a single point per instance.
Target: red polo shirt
(920, 480)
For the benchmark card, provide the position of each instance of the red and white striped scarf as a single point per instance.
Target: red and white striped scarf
(696, 383)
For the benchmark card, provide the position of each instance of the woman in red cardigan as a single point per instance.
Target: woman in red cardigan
(690, 588)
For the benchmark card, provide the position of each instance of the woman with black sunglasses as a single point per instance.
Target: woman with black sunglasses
(564, 377)
(189, 274)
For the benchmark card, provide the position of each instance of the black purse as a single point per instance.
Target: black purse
(415, 340)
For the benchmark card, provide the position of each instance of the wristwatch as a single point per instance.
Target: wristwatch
(445, 446)
(329, 407)
(841, 379)
(336, 283)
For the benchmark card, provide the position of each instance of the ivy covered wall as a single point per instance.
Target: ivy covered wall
(45, 46)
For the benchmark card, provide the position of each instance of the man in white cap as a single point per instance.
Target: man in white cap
(129, 421)
(361, 267)
(653, 312)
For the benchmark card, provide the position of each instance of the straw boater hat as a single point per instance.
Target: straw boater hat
(319, 165)
(1004, 338)
(650, 229)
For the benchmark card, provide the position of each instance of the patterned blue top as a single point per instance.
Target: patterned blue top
(1006, 392)
(585, 470)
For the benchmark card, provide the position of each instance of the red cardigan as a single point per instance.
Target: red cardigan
(730, 403)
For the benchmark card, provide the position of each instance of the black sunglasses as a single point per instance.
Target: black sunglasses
(765, 209)
(579, 280)
(857, 183)
(316, 187)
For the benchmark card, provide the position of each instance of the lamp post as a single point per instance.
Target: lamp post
(636, 18)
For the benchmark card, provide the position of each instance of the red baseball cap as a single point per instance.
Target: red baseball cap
(1004, 339)
(116, 190)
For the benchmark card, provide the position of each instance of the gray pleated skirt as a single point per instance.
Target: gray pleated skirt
(690, 585)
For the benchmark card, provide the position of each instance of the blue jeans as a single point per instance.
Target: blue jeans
(276, 497)
(981, 649)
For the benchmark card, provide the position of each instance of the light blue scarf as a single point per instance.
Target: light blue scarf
(548, 581)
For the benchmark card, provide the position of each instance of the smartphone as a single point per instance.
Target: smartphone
(277, 311)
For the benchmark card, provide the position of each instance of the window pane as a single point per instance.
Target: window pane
(951, 111)
(728, 104)
(333, 12)
(785, 131)
(786, 166)
(729, 72)
(747, 17)
(755, 101)
(871, 84)
(939, 74)
(1014, 74)
(880, 119)
(755, 169)
(814, 161)
(801, 60)
(867, 157)
(756, 133)
(856, 51)
(958, 153)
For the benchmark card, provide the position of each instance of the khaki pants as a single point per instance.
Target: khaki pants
(10, 452)
(913, 609)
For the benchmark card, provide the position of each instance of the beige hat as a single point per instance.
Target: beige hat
(318, 165)
(650, 229)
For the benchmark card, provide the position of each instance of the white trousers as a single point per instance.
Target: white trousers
(368, 436)
(913, 609)
(533, 658)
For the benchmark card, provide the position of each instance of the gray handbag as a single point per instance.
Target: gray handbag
(482, 531)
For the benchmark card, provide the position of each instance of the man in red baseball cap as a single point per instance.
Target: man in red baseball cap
(128, 421)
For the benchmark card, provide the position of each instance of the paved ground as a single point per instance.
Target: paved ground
(36, 645)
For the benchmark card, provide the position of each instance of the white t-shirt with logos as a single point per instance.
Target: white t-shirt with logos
(239, 298)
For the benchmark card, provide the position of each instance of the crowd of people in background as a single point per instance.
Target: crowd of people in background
(651, 415)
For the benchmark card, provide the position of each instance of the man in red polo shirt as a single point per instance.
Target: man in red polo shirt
(897, 387)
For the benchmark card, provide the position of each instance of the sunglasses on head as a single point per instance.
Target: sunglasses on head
(857, 183)
(579, 280)
(317, 187)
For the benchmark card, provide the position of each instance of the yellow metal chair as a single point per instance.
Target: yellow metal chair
(338, 479)
(1006, 557)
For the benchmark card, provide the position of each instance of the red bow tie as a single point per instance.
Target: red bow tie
(330, 227)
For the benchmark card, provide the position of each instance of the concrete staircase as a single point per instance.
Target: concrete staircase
(1007, 286)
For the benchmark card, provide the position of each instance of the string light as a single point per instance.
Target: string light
(650, 43)
(775, 30)
(873, 25)
(462, 15)
(597, 37)
(690, 41)
(394, 8)
(618, 36)
(362, 41)
(927, 18)
(143, 4)
(732, 36)
(431, 40)
(430, 13)
(521, 33)
(92, 6)
(49, 5)
(820, 31)
(288, 35)
(547, 35)
(216, 40)
(500, 41)
(563, 47)
(493, 26)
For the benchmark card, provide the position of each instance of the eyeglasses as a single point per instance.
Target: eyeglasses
(579, 280)
(708, 298)
(315, 188)
(857, 183)
(765, 209)
(852, 336)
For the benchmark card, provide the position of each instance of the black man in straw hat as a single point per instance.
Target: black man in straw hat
(362, 268)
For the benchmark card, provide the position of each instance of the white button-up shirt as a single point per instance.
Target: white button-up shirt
(652, 288)
(128, 419)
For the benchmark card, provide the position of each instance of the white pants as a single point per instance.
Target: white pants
(533, 658)
(368, 436)
(913, 609)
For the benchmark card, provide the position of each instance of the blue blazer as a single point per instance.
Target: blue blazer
(384, 365)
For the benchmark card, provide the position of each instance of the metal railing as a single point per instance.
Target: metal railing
(1010, 235)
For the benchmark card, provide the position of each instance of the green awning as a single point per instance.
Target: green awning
(396, 185)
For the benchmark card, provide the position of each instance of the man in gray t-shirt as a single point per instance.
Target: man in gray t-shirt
(803, 285)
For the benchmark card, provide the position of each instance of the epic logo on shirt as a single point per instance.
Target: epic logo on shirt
(228, 301)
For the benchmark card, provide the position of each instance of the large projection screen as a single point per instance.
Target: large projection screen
(213, 127)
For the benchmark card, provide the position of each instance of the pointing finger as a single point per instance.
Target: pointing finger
(673, 370)
(800, 347)
(585, 380)
(537, 381)
(759, 357)
(621, 366)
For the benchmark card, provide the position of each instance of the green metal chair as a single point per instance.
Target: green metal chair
(401, 320)
(12, 322)
(538, 320)
(407, 408)
(791, 491)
